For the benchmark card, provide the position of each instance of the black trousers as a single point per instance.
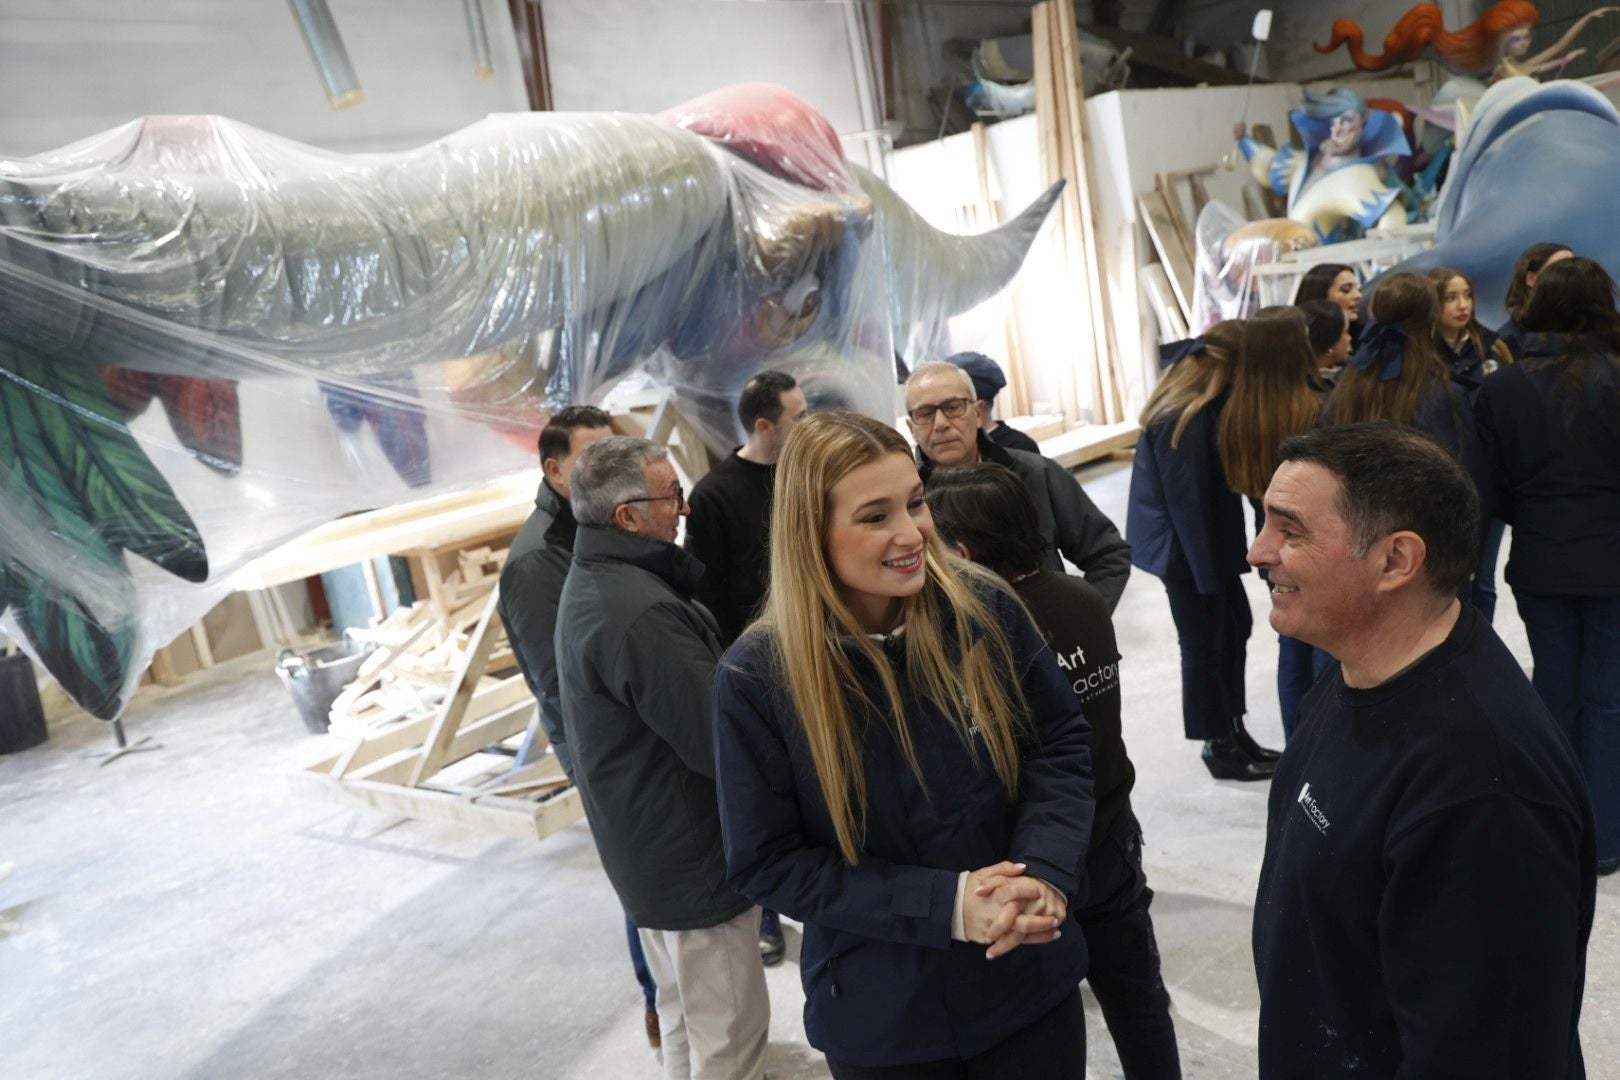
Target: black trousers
(1214, 633)
(1124, 955)
(1051, 1048)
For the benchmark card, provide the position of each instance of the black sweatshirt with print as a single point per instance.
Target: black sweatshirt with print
(1428, 883)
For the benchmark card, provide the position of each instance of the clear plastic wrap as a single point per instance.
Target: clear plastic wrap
(329, 333)
(1230, 250)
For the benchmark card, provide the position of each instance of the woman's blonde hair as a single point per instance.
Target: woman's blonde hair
(1195, 380)
(957, 657)
(1407, 300)
(1274, 396)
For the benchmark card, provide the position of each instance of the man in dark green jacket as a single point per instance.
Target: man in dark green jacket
(636, 657)
(537, 564)
(946, 421)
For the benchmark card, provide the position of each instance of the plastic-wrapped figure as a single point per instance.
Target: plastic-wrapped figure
(1341, 184)
(1495, 45)
(332, 332)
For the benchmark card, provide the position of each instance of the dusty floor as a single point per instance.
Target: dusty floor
(180, 914)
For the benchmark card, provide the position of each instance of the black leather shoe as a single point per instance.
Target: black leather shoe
(772, 947)
(1247, 744)
(1226, 760)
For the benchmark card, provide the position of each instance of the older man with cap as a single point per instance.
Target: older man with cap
(944, 414)
(988, 381)
(1428, 884)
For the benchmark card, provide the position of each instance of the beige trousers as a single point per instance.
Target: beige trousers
(713, 1010)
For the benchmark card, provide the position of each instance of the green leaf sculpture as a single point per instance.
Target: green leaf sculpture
(77, 492)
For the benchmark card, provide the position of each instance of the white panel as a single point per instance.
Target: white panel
(647, 55)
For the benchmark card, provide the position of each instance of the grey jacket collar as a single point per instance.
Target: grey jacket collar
(606, 544)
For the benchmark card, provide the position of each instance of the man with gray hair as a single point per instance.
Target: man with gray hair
(947, 419)
(636, 657)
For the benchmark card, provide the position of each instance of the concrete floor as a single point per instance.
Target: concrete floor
(180, 914)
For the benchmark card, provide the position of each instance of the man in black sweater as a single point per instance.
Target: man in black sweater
(986, 514)
(729, 533)
(1428, 883)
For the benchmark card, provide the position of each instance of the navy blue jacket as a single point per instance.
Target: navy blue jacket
(1553, 471)
(884, 983)
(1183, 520)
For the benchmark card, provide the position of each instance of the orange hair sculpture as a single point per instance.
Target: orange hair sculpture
(1471, 50)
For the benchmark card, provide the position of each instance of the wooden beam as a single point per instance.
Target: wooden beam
(468, 672)
(498, 814)
(396, 769)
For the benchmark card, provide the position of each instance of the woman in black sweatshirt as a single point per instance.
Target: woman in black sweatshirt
(985, 513)
(1549, 429)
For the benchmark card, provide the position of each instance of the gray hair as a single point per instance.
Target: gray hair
(944, 367)
(611, 472)
(1335, 102)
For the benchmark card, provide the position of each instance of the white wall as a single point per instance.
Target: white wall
(647, 55)
(70, 68)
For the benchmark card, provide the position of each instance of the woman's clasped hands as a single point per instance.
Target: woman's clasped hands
(1004, 908)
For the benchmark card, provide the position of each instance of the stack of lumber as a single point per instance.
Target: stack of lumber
(419, 649)
(425, 717)
(1060, 109)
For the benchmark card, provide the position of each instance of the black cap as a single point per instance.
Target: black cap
(986, 374)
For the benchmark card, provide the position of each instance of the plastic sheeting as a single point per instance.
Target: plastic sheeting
(327, 333)
(1229, 249)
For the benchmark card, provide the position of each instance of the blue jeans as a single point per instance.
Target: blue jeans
(1213, 632)
(1575, 641)
(638, 961)
(1298, 665)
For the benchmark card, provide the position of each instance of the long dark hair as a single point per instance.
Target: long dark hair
(1318, 280)
(1407, 300)
(1274, 395)
(988, 509)
(1575, 296)
(1530, 262)
(1326, 322)
(1442, 277)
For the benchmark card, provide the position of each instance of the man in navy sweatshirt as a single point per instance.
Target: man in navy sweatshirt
(1429, 876)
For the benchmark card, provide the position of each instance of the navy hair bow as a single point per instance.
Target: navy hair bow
(1382, 349)
(1177, 351)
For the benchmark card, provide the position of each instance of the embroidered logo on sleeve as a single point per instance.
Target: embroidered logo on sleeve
(1312, 811)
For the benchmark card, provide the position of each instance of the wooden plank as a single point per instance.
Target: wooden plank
(164, 673)
(199, 641)
(1105, 347)
(1156, 218)
(496, 814)
(431, 523)
(397, 768)
(989, 217)
(1090, 442)
(468, 672)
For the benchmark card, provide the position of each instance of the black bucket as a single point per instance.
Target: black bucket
(22, 719)
(316, 678)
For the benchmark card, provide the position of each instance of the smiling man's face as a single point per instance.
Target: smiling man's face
(1322, 592)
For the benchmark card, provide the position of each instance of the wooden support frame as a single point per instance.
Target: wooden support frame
(436, 768)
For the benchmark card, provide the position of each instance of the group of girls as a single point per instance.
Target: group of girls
(1531, 409)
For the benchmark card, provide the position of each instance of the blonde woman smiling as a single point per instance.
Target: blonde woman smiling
(902, 767)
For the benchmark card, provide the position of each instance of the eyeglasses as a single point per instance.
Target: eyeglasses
(679, 496)
(923, 415)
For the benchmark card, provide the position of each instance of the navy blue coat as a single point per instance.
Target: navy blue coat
(884, 983)
(1183, 520)
(1553, 471)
